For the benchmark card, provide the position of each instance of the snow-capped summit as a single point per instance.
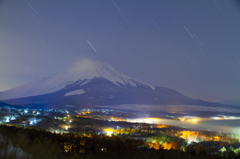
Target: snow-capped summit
(90, 84)
(81, 74)
(87, 70)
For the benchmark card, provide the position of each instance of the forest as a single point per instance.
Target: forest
(26, 143)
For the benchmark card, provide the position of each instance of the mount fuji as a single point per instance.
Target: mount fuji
(92, 83)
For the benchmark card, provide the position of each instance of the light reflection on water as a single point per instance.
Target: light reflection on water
(225, 126)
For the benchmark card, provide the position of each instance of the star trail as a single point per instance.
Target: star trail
(190, 46)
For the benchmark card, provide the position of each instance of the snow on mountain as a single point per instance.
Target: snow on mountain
(76, 92)
(82, 74)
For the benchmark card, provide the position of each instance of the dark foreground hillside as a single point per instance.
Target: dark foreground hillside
(32, 144)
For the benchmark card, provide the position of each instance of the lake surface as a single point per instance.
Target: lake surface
(225, 126)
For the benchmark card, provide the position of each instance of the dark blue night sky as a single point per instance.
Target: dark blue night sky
(192, 46)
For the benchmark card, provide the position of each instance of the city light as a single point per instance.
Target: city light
(7, 120)
(13, 118)
(144, 120)
(189, 119)
(109, 132)
(33, 121)
(194, 120)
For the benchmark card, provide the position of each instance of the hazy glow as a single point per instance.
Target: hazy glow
(109, 132)
(144, 120)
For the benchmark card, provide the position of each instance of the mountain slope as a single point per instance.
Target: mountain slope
(81, 74)
(90, 84)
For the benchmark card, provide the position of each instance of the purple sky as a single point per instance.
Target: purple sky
(192, 46)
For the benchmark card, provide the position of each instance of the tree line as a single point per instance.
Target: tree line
(40, 144)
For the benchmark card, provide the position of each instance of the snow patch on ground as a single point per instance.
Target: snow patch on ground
(7, 149)
(85, 82)
(76, 92)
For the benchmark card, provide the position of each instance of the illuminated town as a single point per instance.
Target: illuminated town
(87, 123)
